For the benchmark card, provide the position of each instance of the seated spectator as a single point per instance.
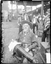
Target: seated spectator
(26, 37)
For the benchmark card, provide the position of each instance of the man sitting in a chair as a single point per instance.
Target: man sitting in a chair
(28, 41)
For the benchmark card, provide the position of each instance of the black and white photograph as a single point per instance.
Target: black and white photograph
(25, 32)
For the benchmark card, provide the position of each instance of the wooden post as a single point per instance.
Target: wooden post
(17, 7)
(25, 5)
(42, 11)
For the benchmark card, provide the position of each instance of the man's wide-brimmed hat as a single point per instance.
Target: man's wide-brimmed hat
(25, 22)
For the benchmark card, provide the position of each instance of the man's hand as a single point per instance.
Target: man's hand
(32, 46)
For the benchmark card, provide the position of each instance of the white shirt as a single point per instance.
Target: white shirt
(34, 20)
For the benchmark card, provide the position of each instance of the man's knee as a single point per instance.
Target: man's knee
(16, 47)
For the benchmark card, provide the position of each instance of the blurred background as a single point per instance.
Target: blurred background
(13, 13)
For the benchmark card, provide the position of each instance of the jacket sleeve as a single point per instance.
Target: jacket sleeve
(36, 39)
(19, 37)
